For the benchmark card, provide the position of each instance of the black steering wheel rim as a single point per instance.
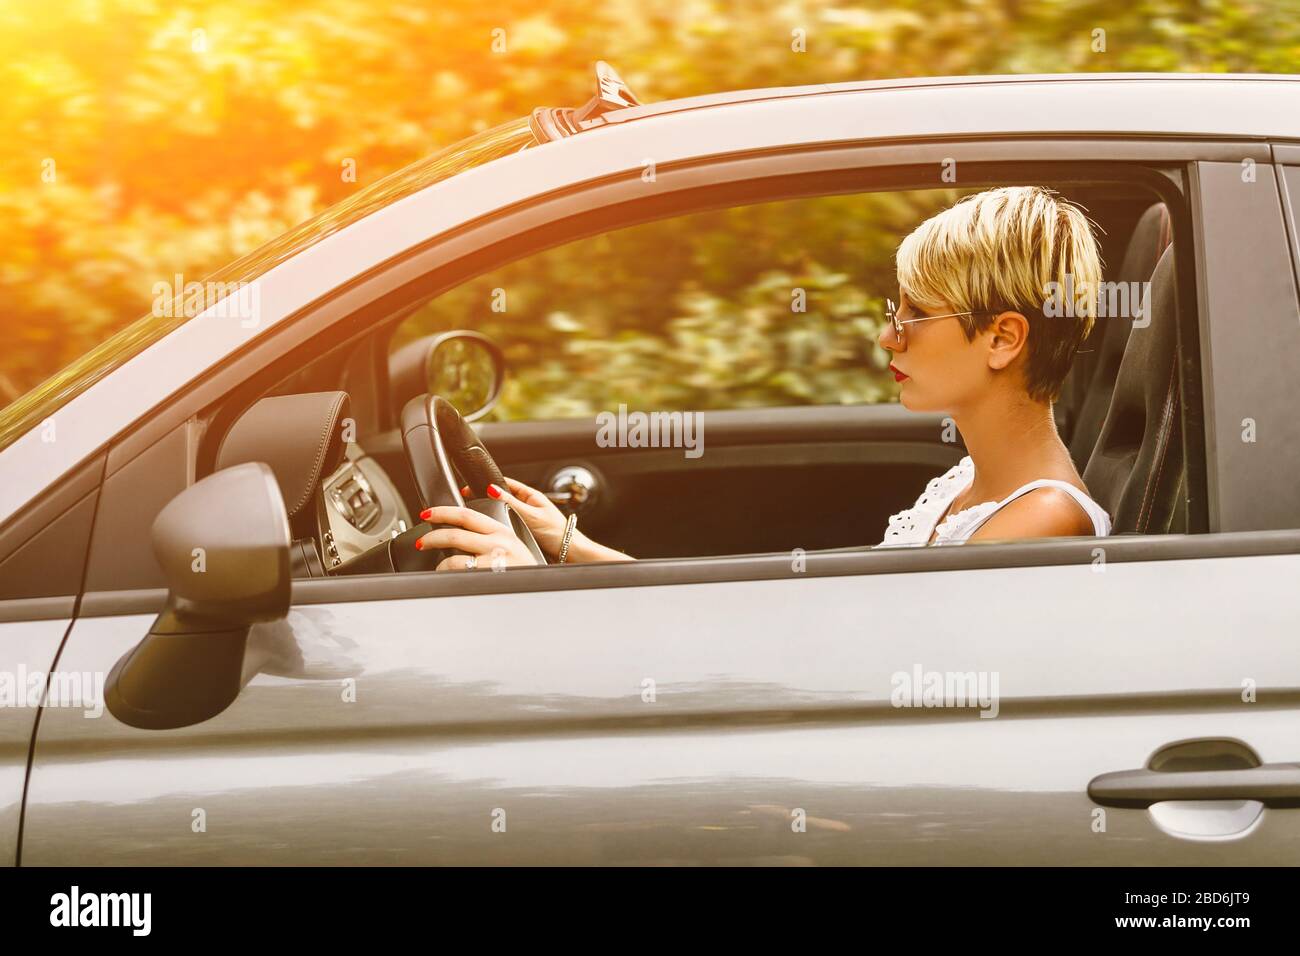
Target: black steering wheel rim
(444, 452)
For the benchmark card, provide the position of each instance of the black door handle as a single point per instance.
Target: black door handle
(1273, 784)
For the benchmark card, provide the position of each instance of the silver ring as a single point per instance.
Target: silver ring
(471, 563)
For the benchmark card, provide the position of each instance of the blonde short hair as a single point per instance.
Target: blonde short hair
(1001, 250)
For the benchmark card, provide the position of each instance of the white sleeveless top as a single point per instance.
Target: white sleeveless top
(915, 525)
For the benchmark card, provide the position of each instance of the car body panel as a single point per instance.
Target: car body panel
(1250, 347)
(27, 652)
(988, 81)
(768, 697)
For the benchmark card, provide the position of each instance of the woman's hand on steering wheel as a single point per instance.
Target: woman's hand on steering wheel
(544, 519)
(488, 544)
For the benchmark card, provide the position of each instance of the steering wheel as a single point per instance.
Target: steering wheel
(445, 454)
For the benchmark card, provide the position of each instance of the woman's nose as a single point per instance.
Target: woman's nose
(888, 339)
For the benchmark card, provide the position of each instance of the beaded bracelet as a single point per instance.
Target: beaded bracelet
(569, 527)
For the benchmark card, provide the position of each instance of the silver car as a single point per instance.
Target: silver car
(215, 647)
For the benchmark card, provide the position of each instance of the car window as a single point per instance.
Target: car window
(776, 304)
(30, 409)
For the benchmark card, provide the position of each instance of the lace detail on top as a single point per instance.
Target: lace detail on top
(915, 525)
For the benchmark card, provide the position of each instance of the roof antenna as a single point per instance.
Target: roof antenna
(550, 123)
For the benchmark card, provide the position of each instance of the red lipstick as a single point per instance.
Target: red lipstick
(898, 376)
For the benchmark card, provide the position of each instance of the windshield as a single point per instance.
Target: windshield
(31, 409)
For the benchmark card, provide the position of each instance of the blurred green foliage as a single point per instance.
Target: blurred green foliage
(764, 305)
(147, 138)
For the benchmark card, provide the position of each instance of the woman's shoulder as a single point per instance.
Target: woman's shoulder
(1048, 508)
(1047, 511)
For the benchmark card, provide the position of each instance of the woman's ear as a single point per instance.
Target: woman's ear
(1008, 335)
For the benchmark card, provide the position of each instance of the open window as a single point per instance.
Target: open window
(757, 307)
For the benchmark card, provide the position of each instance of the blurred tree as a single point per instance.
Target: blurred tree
(149, 138)
(772, 304)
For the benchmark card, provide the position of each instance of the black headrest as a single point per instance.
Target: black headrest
(1134, 471)
(1150, 239)
(1109, 336)
(299, 436)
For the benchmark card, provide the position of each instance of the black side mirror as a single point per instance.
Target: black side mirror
(223, 544)
(467, 369)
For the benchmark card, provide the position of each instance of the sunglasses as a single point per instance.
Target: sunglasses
(891, 313)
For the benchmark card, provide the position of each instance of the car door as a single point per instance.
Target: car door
(889, 706)
(740, 710)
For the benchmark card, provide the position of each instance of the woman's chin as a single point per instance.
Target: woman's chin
(913, 401)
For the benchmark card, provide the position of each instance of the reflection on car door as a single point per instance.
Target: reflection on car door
(724, 722)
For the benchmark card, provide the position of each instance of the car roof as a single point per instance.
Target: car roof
(1213, 93)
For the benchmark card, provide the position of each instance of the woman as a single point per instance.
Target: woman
(980, 332)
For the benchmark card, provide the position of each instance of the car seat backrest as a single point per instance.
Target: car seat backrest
(1135, 470)
(1150, 238)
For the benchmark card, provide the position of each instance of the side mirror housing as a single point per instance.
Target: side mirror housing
(223, 544)
(466, 369)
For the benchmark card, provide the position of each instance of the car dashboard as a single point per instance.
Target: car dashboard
(357, 507)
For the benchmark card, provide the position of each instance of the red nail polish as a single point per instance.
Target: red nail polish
(426, 514)
(494, 491)
(419, 544)
(464, 492)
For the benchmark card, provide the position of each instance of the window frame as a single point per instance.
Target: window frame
(373, 304)
(666, 572)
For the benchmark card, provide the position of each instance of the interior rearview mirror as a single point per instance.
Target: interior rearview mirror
(223, 544)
